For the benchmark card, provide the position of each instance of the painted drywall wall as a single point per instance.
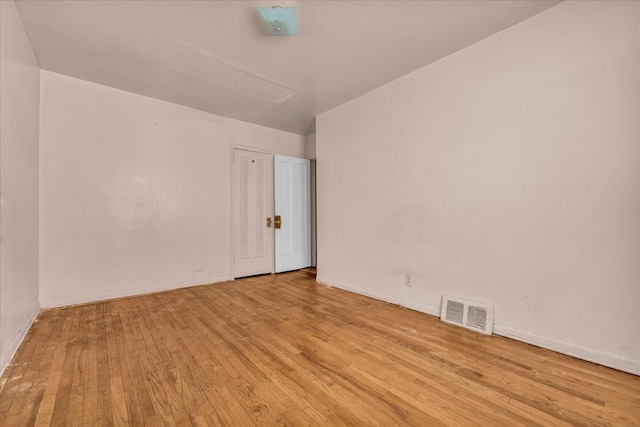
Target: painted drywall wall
(19, 122)
(134, 191)
(506, 173)
(310, 146)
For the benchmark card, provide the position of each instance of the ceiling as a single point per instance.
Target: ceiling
(210, 55)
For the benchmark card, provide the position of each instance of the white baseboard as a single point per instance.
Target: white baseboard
(11, 351)
(132, 292)
(615, 362)
(382, 297)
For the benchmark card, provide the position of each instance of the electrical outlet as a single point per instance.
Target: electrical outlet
(408, 280)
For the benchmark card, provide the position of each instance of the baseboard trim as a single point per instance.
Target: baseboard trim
(132, 292)
(382, 297)
(610, 361)
(15, 345)
(625, 365)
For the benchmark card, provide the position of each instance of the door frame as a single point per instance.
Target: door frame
(231, 200)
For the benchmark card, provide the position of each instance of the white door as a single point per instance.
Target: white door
(292, 188)
(252, 213)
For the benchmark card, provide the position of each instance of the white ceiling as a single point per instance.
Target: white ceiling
(212, 57)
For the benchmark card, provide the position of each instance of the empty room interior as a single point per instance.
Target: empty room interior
(319, 213)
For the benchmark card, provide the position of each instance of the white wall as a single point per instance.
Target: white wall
(310, 146)
(508, 173)
(19, 118)
(134, 191)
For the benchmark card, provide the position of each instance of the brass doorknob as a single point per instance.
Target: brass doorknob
(268, 222)
(277, 222)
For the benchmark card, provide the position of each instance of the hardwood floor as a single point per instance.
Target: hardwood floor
(283, 350)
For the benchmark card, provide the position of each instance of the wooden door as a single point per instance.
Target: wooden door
(252, 209)
(292, 187)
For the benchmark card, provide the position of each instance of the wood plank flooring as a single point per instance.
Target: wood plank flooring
(284, 350)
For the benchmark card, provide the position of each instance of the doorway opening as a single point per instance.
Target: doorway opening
(271, 213)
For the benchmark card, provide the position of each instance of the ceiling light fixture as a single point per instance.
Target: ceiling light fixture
(278, 21)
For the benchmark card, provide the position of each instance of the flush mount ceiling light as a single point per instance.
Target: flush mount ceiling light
(278, 21)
